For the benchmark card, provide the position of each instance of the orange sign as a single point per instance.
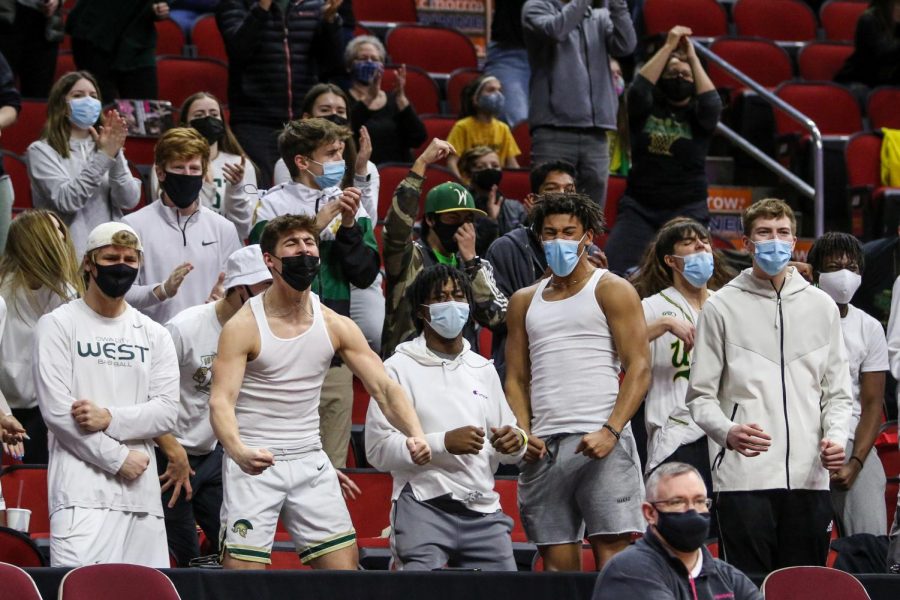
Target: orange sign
(728, 199)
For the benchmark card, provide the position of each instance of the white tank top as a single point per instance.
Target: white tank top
(278, 404)
(574, 363)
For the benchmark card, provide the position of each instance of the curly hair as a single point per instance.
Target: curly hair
(588, 213)
(429, 282)
(836, 244)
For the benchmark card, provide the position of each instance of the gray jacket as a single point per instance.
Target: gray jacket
(569, 46)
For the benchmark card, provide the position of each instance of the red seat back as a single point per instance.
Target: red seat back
(882, 107)
(18, 549)
(508, 489)
(140, 150)
(205, 36)
(17, 584)
(65, 63)
(839, 19)
(888, 451)
(516, 184)
(33, 482)
(391, 11)
(15, 167)
(833, 108)
(782, 20)
(762, 60)
(27, 127)
(116, 581)
(863, 159)
(422, 91)
(820, 61)
(434, 175)
(793, 583)
(180, 77)
(706, 18)
(435, 49)
(459, 79)
(169, 37)
(360, 402)
(391, 175)
(371, 512)
(522, 135)
(436, 126)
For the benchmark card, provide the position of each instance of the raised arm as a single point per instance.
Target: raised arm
(622, 40)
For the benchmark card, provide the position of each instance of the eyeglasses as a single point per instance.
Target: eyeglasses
(684, 504)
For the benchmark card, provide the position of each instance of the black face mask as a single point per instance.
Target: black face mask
(337, 119)
(182, 189)
(487, 178)
(115, 280)
(299, 271)
(683, 531)
(445, 233)
(211, 128)
(676, 89)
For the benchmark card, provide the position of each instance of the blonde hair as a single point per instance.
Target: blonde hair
(36, 256)
(767, 208)
(58, 129)
(181, 143)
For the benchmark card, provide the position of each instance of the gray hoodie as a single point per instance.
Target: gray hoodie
(569, 46)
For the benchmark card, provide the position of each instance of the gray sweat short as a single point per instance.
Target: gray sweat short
(565, 494)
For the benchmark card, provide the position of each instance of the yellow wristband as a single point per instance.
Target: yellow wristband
(524, 437)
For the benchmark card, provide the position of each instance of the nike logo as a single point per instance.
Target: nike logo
(320, 467)
(208, 243)
(137, 325)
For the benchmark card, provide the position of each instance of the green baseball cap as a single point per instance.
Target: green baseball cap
(450, 197)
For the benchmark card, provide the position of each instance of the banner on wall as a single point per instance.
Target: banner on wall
(468, 16)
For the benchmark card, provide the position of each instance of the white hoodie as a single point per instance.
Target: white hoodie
(446, 394)
(776, 362)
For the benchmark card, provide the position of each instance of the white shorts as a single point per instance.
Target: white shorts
(87, 536)
(303, 490)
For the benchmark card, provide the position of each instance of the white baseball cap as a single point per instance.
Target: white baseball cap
(105, 234)
(246, 267)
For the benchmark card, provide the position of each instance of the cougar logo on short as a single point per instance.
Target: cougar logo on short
(461, 193)
(241, 527)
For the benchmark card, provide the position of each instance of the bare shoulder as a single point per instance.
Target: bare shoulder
(524, 295)
(616, 291)
(241, 332)
(340, 328)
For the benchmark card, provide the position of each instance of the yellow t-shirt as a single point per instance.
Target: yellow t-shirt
(470, 132)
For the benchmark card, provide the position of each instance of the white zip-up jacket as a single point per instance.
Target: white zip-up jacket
(204, 239)
(446, 394)
(777, 360)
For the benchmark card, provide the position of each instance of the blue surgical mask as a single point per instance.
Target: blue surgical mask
(332, 173)
(772, 256)
(698, 268)
(562, 255)
(492, 103)
(448, 318)
(84, 111)
(619, 84)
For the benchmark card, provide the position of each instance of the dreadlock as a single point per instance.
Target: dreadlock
(588, 213)
(835, 244)
(429, 282)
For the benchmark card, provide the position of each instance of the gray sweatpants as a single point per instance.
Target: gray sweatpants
(587, 149)
(861, 509)
(425, 538)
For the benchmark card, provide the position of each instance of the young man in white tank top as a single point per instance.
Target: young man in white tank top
(272, 359)
(568, 334)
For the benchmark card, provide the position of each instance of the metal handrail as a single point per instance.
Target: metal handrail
(817, 191)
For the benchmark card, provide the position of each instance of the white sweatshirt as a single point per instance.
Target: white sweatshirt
(446, 394)
(17, 341)
(125, 364)
(234, 202)
(85, 190)
(368, 184)
(204, 239)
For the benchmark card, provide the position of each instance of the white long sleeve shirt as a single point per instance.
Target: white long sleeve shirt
(446, 395)
(125, 364)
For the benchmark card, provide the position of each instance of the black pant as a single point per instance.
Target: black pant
(36, 451)
(767, 530)
(203, 509)
(137, 83)
(260, 142)
(29, 54)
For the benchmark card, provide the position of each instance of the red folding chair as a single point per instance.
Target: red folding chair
(116, 581)
(522, 135)
(839, 17)
(17, 549)
(27, 128)
(207, 40)
(17, 584)
(180, 77)
(762, 60)
(386, 11)
(430, 47)
(459, 79)
(781, 20)
(421, 89)
(706, 18)
(516, 183)
(820, 61)
(832, 107)
(436, 126)
(881, 107)
(808, 583)
(17, 169)
(169, 38)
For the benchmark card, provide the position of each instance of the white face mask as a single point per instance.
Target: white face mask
(840, 285)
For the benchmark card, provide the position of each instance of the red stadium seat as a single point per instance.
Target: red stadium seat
(801, 583)
(116, 581)
(882, 107)
(207, 40)
(781, 20)
(833, 108)
(360, 403)
(17, 549)
(169, 38)
(27, 127)
(17, 169)
(459, 79)
(862, 157)
(33, 482)
(762, 60)
(140, 150)
(516, 184)
(522, 135)
(820, 61)
(436, 126)
(180, 77)
(706, 18)
(391, 175)
(65, 63)
(508, 489)
(888, 452)
(371, 512)
(485, 340)
(434, 175)
(421, 89)
(435, 49)
(385, 11)
(17, 584)
(839, 17)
